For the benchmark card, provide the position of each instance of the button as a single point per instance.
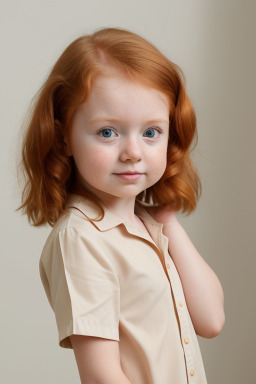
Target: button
(192, 372)
(180, 303)
(186, 340)
(168, 266)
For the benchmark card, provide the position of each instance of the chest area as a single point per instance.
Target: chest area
(139, 263)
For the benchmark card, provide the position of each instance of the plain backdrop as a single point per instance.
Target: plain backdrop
(214, 44)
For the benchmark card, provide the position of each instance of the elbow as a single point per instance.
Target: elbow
(213, 329)
(216, 329)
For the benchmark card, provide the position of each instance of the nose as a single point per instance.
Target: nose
(131, 150)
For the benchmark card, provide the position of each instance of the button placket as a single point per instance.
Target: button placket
(173, 275)
(187, 349)
(183, 323)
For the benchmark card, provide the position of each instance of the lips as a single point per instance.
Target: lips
(129, 176)
(129, 173)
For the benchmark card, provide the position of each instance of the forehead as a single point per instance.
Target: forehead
(116, 90)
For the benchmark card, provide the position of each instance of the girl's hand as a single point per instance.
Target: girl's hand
(164, 215)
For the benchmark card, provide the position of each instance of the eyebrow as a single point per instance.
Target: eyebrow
(105, 118)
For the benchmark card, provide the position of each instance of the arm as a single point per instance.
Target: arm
(98, 360)
(202, 288)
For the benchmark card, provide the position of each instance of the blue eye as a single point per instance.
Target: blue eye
(106, 133)
(153, 129)
(108, 130)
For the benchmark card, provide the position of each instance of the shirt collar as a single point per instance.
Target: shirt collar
(89, 208)
(109, 221)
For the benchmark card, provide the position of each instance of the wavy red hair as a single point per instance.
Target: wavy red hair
(50, 175)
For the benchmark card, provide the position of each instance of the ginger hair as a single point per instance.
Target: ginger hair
(49, 174)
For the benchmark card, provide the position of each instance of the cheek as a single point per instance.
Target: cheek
(101, 160)
(158, 159)
(89, 158)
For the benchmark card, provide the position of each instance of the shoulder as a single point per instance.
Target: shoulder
(71, 229)
(80, 214)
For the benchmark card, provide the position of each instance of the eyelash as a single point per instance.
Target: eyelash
(159, 130)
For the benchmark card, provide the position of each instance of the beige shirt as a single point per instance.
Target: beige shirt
(109, 279)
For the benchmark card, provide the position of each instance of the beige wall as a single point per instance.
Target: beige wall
(214, 43)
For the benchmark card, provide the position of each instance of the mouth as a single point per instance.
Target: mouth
(128, 173)
(129, 176)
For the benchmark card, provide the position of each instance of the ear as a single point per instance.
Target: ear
(65, 140)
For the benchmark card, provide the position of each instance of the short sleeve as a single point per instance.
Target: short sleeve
(81, 285)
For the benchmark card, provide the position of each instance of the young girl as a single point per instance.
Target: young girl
(107, 158)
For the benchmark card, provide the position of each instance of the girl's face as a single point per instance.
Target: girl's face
(123, 126)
